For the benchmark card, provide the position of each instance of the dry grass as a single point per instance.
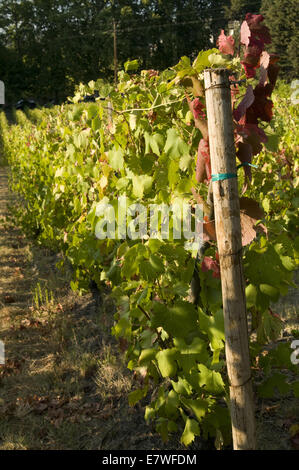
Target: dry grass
(110, 378)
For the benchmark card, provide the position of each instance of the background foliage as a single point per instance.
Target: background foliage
(47, 46)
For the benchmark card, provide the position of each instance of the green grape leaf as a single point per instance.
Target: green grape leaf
(173, 173)
(182, 387)
(122, 328)
(167, 362)
(191, 354)
(122, 183)
(172, 426)
(251, 295)
(280, 356)
(270, 291)
(162, 428)
(172, 404)
(217, 60)
(137, 395)
(197, 347)
(132, 259)
(264, 268)
(147, 162)
(96, 124)
(191, 430)
(175, 146)
(141, 184)
(185, 162)
(276, 381)
(198, 406)
(269, 328)
(153, 142)
(178, 320)
(211, 380)
(116, 159)
(213, 326)
(152, 268)
(154, 245)
(184, 68)
(288, 263)
(146, 356)
(202, 60)
(131, 65)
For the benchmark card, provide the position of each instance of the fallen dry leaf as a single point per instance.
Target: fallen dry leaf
(250, 213)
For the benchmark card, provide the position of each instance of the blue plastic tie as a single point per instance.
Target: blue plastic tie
(223, 176)
(226, 176)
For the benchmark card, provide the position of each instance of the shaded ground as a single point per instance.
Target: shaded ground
(65, 385)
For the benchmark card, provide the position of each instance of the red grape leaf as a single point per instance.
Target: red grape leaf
(200, 167)
(200, 122)
(245, 33)
(226, 43)
(254, 35)
(244, 154)
(249, 134)
(264, 64)
(209, 264)
(250, 213)
(209, 229)
(244, 104)
(261, 107)
(249, 70)
(257, 29)
(198, 109)
(203, 164)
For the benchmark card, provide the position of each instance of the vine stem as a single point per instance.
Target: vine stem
(148, 109)
(160, 341)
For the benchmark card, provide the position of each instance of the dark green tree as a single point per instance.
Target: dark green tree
(281, 17)
(48, 46)
(237, 9)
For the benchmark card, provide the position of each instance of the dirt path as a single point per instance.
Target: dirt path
(65, 384)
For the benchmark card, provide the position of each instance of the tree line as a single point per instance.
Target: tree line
(48, 46)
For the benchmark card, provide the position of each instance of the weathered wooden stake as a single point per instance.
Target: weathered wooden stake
(228, 231)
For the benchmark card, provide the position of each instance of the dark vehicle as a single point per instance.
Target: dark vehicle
(22, 104)
(90, 98)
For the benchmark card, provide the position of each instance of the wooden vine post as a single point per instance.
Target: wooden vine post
(229, 242)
